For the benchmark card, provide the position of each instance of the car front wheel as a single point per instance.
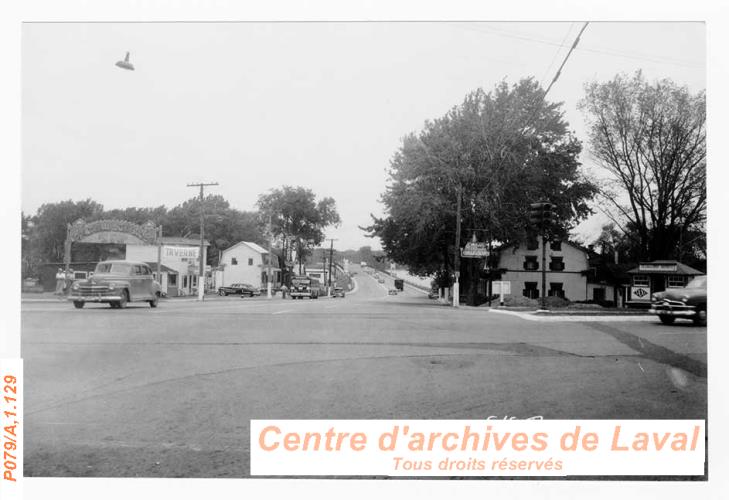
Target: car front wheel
(124, 299)
(78, 304)
(154, 302)
(700, 318)
(222, 293)
(666, 320)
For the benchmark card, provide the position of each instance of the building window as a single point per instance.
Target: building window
(555, 246)
(250, 262)
(532, 243)
(556, 264)
(530, 290)
(641, 280)
(531, 263)
(171, 280)
(233, 261)
(675, 281)
(555, 290)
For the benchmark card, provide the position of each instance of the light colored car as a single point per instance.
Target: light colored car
(392, 291)
(381, 280)
(117, 282)
(338, 292)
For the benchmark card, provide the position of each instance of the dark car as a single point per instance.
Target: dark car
(338, 292)
(117, 282)
(249, 290)
(688, 302)
(234, 289)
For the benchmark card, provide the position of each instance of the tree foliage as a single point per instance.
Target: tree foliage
(295, 215)
(502, 149)
(651, 139)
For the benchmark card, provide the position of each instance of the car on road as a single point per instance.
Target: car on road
(338, 292)
(433, 294)
(392, 291)
(249, 291)
(381, 280)
(117, 282)
(688, 302)
(234, 289)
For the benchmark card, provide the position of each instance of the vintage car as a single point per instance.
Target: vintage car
(392, 291)
(249, 291)
(242, 289)
(117, 282)
(338, 292)
(688, 302)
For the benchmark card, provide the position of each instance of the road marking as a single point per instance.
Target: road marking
(282, 312)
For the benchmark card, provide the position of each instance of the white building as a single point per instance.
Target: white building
(180, 258)
(567, 271)
(247, 262)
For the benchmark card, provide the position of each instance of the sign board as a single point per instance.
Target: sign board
(501, 287)
(181, 253)
(640, 293)
(668, 268)
(475, 250)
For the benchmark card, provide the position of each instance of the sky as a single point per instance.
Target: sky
(254, 106)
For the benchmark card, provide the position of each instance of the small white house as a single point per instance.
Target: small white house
(247, 262)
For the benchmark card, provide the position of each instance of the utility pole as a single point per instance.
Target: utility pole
(331, 257)
(457, 262)
(543, 214)
(201, 272)
(270, 256)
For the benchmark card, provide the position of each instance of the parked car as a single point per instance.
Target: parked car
(433, 294)
(234, 289)
(249, 290)
(381, 280)
(338, 292)
(688, 302)
(117, 282)
(392, 291)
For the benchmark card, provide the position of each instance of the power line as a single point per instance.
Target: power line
(549, 68)
(615, 53)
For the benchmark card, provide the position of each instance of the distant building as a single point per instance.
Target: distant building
(247, 262)
(567, 271)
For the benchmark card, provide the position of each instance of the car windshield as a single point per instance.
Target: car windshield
(112, 268)
(697, 282)
(300, 281)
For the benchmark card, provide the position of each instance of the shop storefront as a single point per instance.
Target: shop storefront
(657, 276)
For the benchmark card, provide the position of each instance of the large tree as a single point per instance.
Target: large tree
(224, 225)
(502, 150)
(297, 218)
(651, 140)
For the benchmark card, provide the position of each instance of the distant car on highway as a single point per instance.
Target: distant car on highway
(688, 302)
(432, 294)
(381, 280)
(117, 282)
(392, 291)
(338, 292)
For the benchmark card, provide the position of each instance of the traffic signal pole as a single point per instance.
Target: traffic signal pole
(544, 269)
(457, 262)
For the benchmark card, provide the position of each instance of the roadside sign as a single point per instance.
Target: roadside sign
(640, 293)
(475, 250)
(501, 287)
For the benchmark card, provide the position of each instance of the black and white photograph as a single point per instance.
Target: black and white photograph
(233, 220)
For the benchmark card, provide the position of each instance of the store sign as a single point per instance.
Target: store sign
(181, 253)
(475, 250)
(640, 293)
(666, 268)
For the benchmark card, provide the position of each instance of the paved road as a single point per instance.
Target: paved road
(169, 392)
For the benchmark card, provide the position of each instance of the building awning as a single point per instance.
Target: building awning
(665, 267)
(165, 269)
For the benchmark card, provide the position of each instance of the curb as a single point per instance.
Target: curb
(576, 318)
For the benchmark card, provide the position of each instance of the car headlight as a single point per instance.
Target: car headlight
(112, 286)
(684, 299)
(75, 286)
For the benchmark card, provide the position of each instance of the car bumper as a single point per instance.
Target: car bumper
(103, 298)
(678, 312)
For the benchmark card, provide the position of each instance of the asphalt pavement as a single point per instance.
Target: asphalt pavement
(169, 392)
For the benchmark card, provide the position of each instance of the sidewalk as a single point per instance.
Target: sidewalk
(576, 315)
